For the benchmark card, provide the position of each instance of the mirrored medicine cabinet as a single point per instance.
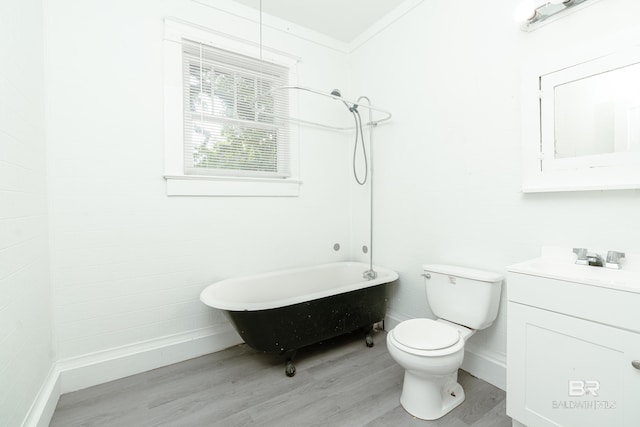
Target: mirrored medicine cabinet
(581, 123)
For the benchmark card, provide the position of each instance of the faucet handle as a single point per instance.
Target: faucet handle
(613, 259)
(582, 256)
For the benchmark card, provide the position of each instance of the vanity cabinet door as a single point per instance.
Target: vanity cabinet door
(566, 371)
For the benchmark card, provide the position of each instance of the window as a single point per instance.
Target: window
(224, 125)
(232, 120)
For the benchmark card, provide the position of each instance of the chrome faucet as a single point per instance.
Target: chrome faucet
(593, 259)
(369, 275)
(613, 259)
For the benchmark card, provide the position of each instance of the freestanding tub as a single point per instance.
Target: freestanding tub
(283, 311)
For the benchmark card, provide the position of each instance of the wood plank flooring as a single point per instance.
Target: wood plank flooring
(338, 383)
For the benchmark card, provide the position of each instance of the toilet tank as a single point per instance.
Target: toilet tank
(462, 295)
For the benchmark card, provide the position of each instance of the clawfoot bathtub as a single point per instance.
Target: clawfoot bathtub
(283, 311)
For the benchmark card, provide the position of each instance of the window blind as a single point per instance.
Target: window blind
(233, 124)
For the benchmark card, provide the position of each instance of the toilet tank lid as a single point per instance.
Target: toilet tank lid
(464, 272)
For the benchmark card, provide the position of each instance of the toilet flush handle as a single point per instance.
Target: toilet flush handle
(636, 364)
(426, 275)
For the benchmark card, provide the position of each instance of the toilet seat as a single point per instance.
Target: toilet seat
(425, 334)
(426, 337)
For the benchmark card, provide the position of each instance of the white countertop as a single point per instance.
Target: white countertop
(559, 263)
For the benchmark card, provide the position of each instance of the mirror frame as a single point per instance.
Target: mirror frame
(539, 75)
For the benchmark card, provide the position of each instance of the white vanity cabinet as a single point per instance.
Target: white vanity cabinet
(573, 348)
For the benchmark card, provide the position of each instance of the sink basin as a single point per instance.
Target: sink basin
(563, 269)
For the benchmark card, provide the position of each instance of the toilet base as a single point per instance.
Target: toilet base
(430, 399)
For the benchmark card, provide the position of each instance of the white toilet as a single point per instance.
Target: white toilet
(431, 351)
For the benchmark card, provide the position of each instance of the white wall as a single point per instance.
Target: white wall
(26, 345)
(448, 169)
(128, 262)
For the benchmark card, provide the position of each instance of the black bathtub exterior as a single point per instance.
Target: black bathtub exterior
(285, 329)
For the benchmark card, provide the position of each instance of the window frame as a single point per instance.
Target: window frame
(179, 183)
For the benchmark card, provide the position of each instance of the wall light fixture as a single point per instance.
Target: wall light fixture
(535, 13)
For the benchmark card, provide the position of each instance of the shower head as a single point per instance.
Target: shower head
(336, 92)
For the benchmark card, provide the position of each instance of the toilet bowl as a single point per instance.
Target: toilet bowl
(431, 351)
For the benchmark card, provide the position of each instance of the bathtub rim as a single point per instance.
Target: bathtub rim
(208, 297)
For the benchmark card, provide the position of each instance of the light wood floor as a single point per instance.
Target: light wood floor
(338, 383)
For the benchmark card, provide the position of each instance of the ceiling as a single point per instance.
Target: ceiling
(342, 20)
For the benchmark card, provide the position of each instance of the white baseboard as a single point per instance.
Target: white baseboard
(84, 371)
(485, 364)
(44, 405)
(104, 366)
(392, 320)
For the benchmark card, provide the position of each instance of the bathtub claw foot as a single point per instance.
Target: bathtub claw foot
(290, 369)
(369, 340)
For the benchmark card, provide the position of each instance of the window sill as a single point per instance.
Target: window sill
(198, 185)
